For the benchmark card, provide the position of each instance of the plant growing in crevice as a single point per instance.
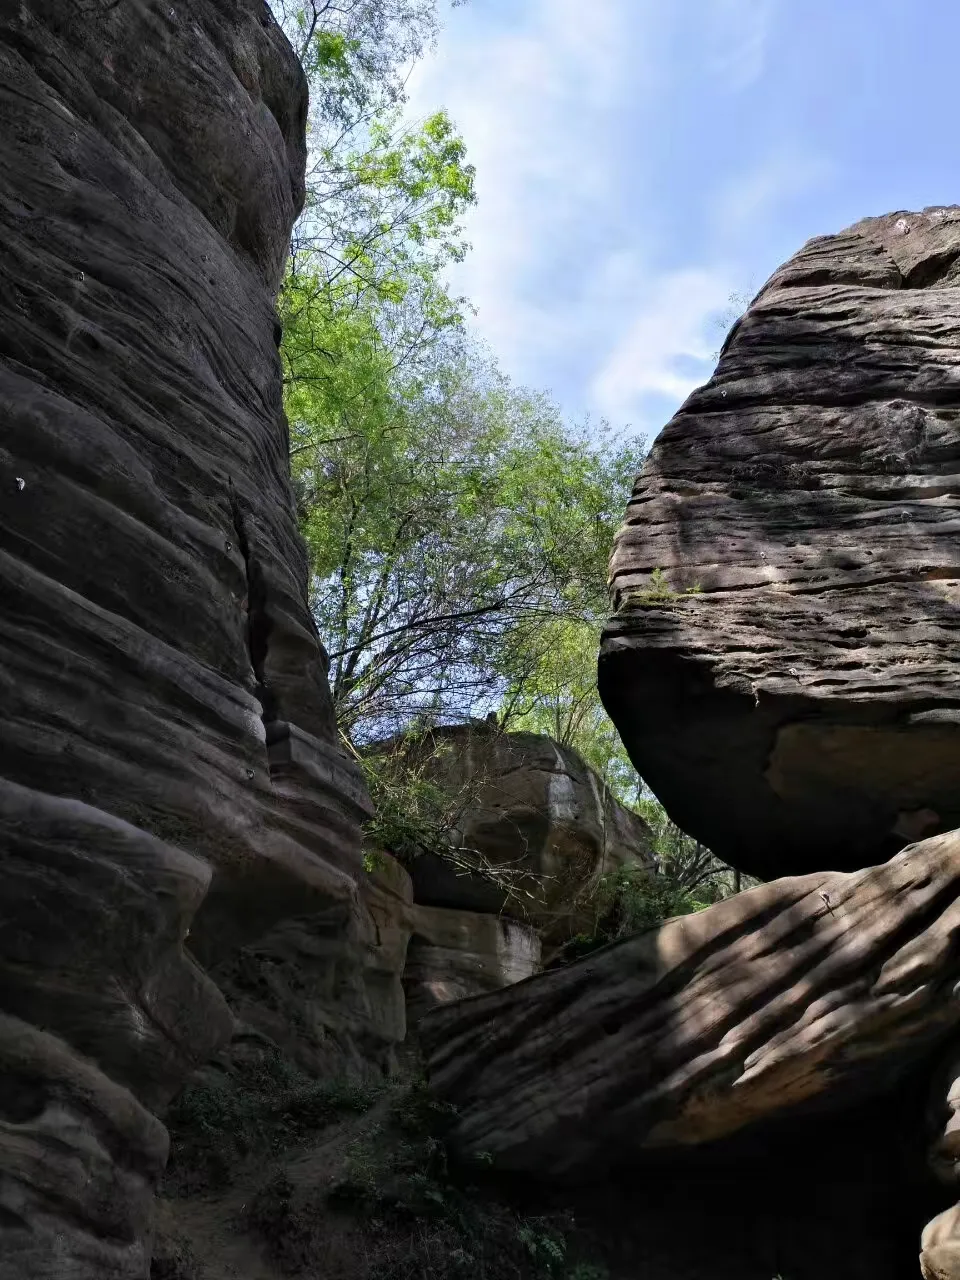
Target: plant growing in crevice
(657, 592)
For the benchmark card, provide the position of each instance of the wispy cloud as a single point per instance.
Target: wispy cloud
(738, 34)
(537, 98)
(605, 243)
(754, 195)
(666, 348)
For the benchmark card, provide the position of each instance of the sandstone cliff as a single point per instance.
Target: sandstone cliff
(540, 813)
(180, 860)
(171, 787)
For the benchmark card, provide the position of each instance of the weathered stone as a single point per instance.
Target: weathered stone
(803, 710)
(943, 1119)
(530, 806)
(806, 992)
(455, 954)
(167, 750)
(387, 894)
(79, 1158)
(326, 988)
(940, 1247)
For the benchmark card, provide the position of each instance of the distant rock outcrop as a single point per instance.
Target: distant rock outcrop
(171, 786)
(807, 992)
(803, 710)
(537, 810)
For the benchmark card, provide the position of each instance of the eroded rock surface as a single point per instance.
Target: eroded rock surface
(166, 750)
(803, 711)
(540, 812)
(805, 992)
(455, 954)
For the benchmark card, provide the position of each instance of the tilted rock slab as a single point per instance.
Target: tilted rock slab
(805, 992)
(167, 750)
(803, 710)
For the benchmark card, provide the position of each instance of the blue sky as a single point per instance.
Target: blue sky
(640, 160)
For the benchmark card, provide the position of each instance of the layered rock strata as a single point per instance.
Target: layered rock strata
(802, 709)
(455, 954)
(810, 992)
(170, 784)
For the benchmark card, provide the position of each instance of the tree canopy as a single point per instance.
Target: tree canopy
(458, 526)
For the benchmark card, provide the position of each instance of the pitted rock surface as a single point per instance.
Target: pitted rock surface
(168, 761)
(803, 710)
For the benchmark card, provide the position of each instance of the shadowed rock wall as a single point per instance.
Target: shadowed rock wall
(803, 711)
(167, 749)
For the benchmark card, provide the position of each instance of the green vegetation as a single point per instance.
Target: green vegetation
(402, 1214)
(262, 1107)
(659, 592)
(458, 527)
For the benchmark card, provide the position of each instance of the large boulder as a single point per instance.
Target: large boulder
(171, 785)
(802, 710)
(536, 811)
(806, 993)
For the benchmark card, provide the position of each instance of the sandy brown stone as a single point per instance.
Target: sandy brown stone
(802, 711)
(455, 954)
(940, 1247)
(806, 992)
(170, 783)
(530, 806)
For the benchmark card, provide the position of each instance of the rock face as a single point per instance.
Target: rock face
(530, 805)
(167, 753)
(806, 992)
(455, 954)
(325, 987)
(803, 710)
(940, 1247)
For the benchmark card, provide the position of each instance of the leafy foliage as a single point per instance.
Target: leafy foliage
(458, 527)
(449, 527)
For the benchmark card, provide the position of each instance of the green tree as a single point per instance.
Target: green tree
(449, 517)
(552, 689)
(384, 195)
(458, 528)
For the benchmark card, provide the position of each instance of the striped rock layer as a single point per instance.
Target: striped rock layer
(811, 992)
(168, 762)
(801, 709)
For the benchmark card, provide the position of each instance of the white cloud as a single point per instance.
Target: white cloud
(668, 334)
(537, 100)
(738, 34)
(584, 283)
